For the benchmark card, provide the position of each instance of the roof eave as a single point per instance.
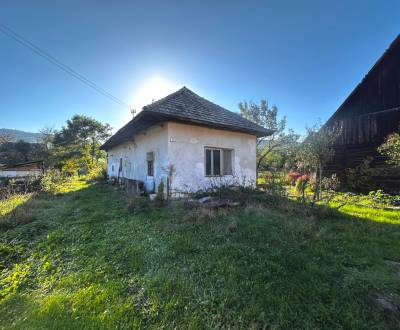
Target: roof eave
(262, 132)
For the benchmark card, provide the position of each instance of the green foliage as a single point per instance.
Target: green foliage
(316, 151)
(381, 199)
(273, 182)
(20, 151)
(76, 146)
(391, 148)
(331, 184)
(360, 178)
(52, 180)
(280, 142)
(98, 171)
(85, 261)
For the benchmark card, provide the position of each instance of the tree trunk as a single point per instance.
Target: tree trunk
(259, 164)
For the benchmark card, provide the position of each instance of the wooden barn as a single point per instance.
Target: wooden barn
(367, 116)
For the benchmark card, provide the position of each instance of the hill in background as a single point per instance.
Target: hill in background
(16, 135)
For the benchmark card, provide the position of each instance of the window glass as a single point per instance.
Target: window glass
(216, 162)
(150, 168)
(227, 156)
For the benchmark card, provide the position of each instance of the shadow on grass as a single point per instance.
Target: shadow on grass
(97, 258)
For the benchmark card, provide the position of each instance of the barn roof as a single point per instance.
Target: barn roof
(33, 164)
(377, 66)
(185, 106)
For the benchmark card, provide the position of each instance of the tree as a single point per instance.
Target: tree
(20, 151)
(5, 139)
(391, 148)
(80, 134)
(267, 117)
(46, 142)
(316, 151)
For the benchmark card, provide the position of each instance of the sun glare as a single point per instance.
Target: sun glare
(149, 91)
(152, 90)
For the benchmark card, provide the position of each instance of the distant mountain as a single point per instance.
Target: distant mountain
(16, 135)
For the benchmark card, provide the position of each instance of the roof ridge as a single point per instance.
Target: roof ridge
(206, 103)
(163, 99)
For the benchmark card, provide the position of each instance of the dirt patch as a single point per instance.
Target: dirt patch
(387, 304)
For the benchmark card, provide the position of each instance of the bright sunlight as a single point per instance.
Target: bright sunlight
(152, 90)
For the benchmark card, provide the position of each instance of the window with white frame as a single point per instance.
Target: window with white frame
(218, 161)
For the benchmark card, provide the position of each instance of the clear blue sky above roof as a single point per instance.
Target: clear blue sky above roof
(305, 57)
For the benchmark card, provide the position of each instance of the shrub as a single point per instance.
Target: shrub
(360, 178)
(391, 148)
(274, 183)
(380, 198)
(332, 183)
(51, 180)
(97, 171)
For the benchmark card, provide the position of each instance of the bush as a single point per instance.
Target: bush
(331, 184)
(98, 172)
(51, 180)
(360, 178)
(274, 183)
(11, 186)
(380, 198)
(391, 148)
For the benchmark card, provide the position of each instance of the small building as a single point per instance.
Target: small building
(187, 142)
(369, 114)
(22, 170)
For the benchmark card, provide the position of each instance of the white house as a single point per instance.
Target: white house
(187, 142)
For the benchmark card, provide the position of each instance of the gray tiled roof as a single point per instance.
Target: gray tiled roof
(186, 106)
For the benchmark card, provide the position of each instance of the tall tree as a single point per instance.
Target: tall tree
(81, 133)
(267, 117)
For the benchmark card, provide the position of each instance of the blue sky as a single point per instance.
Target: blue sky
(303, 56)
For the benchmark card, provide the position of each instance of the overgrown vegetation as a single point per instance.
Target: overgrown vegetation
(92, 257)
(274, 150)
(391, 148)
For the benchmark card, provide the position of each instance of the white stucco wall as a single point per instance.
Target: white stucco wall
(20, 173)
(133, 154)
(183, 146)
(186, 144)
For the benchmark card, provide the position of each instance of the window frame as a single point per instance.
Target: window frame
(221, 161)
(150, 166)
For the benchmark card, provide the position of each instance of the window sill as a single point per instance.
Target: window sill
(217, 176)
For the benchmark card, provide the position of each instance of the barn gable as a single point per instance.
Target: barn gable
(367, 116)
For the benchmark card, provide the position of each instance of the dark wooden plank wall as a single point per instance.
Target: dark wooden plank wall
(369, 114)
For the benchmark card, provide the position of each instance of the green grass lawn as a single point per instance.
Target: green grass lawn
(90, 257)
